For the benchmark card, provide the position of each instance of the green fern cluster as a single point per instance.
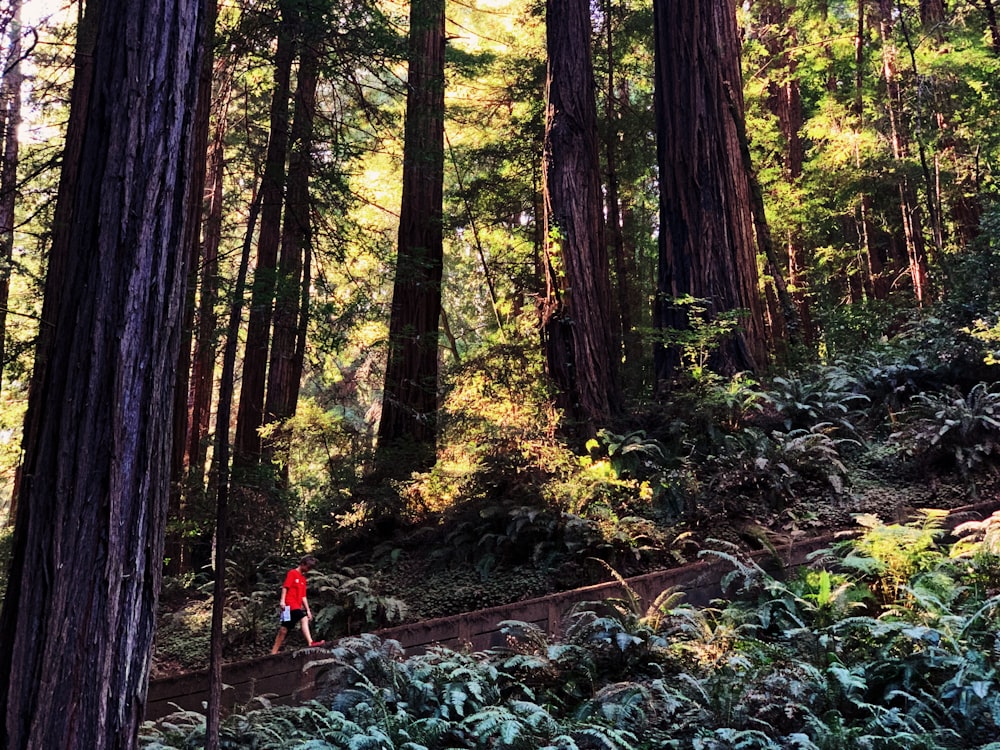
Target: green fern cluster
(951, 426)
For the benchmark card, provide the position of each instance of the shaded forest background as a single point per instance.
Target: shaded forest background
(463, 281)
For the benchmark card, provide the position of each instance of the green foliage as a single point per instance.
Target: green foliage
(892, 554)
(964, 429)
(831, 395)
(781, 465)
(351, 602)
(700, 340)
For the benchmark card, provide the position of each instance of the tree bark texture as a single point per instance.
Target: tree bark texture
(581, 350)
(77, 625)
(62, 222)
(706, 246)
(250, 415)
(407, 433)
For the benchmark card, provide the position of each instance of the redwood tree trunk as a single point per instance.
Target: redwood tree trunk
(285, 370)
(77, 625)
(250, 416)
(577, 319)
(407, 433)
(62, 221)
(991, 21)
(706, 240)
(624, 261)
(205, 348)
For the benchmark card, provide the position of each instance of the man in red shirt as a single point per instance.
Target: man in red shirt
(294, 605)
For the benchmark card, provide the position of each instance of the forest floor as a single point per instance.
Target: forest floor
(441, 568)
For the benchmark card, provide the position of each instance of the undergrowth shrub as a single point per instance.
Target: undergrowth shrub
(961, 430)
(349, 603)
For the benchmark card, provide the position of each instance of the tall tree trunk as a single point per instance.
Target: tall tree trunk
(250, 416)
(577, 319)
(77, 625)
(220, 474)
(706, 239)
(899, 136)
(10, 120)
(174, 541)
(991, 22)
(205, 347)
(875, 259)
(285, 372)
(407, 433)
(932, 14)
(625, 272)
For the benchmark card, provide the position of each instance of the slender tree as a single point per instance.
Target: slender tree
(407, 433)
(174, 547)
(250, 416)
(581, 351)
(285, 369)
(10, 120)
(899, 132)
(706, 238)
(77, 624)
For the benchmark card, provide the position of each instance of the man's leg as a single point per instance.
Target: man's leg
(305, 630)
(279, 639)
(308, 637)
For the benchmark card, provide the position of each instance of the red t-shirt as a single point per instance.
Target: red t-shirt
(295, 582)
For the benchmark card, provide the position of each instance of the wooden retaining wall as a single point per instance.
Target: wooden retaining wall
(283, 678)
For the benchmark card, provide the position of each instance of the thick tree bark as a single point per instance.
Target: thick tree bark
(706, 239)
(285, 370)
(407, 433)
(250, 416)
(10, 120)
(577, 320)
(62, 222)
(78, 619)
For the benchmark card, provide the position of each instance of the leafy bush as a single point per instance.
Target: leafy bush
(947, 426)
(351, 603)
(830, 396)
